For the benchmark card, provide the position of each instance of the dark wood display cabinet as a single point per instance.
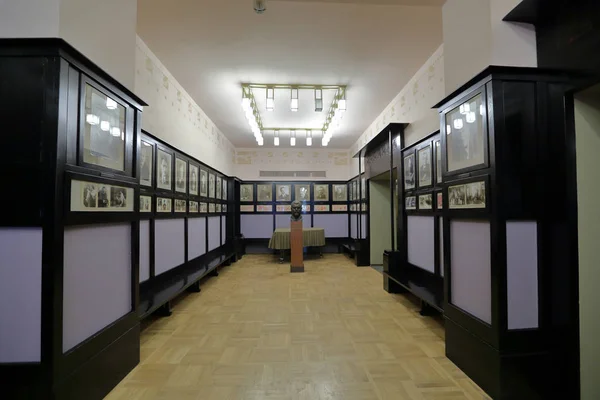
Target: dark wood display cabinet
(507, 247)
(69, 229)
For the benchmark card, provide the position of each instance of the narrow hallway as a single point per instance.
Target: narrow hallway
(258, 332)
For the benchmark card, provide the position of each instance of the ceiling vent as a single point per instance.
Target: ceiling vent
(293, 174)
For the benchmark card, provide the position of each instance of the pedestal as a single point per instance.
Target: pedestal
(296, 246)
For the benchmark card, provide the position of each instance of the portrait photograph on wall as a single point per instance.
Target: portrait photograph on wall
(163, 205)
(224, 192)
(180, 175)
(218, 187)
(211, 186)
(321, 192)
(180, 205)
(465, 135)
(100, 197)
(302, 192)
(410, 203)
(193, 185)
(265, 192)
(469, 195)
(164, 165)
(145, 204)
(283, 192)
(409, 172)
(355, 190)
(425, 202)
(211, 207)
(438, 161)
(424, 161)
(146, 160)
(246, 192)
(193, 205)
(203, 183)
(340, 193)
(203, 207)
(363, 188)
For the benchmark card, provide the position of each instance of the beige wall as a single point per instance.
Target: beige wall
(105, 31)
(29, 18)
(587, 123)
(174, 117)
(249, 162)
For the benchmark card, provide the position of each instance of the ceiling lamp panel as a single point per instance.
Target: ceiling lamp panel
(294, 100)
(270, 99)
(318, 100)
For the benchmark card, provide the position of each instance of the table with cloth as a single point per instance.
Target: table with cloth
(311, 237)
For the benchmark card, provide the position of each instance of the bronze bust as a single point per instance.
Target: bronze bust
(296, 210)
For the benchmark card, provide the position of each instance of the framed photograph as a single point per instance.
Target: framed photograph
(193, 185)
(410, 203)
(146, 163)
(438, 161)
(469, 195)
(163, 205)
(118, 197)
(363, 188)
(340, 193)
(219, 186)
(203, 207)
(425, 170)
(302, 192)
(247, 192)
(466, 137)
(218, 207)
(193, 206)
(339, 207)
(180, 175)
(440, 201)
(283, 192)
(203, 183)
(321, 192)
(100, 197)
(363, 207)
(409, 172)
(284, 207)
(224, 207)
(180, 206)
(305, 207)
(265, 192)
(145, 204)
(425, 202)
(350, 191)
(247, 208)
(211, 207)
(264, 208)
(224, 192)
(211, 186)
(164, 165)
(355, 190)
(103, 130)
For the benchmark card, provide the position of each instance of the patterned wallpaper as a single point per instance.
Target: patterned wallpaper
(174, 117)
(250, 161)
(413, 104)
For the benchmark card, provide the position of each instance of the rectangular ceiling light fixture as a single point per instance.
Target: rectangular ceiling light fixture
(318, 100)
(309, 137)
(270, 98)
(294, 102)
(292, 138)
(342, 100)
(276, 137)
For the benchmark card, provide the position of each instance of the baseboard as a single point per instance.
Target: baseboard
(97, 377)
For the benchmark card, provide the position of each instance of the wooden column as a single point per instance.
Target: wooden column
(297, 246)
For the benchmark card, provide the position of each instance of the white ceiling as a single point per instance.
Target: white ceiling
(211, 47)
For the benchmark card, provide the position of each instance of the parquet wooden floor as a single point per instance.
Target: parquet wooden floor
(258, 332)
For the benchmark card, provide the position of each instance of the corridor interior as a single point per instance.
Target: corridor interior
(258, 332)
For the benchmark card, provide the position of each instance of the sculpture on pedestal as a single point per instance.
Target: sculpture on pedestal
(296, 238)
(296, 211)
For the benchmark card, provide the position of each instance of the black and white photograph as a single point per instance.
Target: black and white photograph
(180, 205)
(264, 192)
(355, 190)
(103, 197)
(283, 192)
(203, 207)
(193, 185)
(145, 204)
(146, 159)
(363, 188)
(465, 135)
(409, 172)
(193, 206)
(90, 195)
(350, 191)
(424, 161)
(164, 166)
(302, 192)
(475, 194)
(203, 183)
(219, 186)
(163, 205)
(438, 162)
(224, 192)
(457, 196)
(118, 197)
(247, 192)
(410, 203)
(224, 207)
(211, 186)
(218, 207)
(180, 175)
(321, 192)
(425, 202)
(211, 207)
(340, 193)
